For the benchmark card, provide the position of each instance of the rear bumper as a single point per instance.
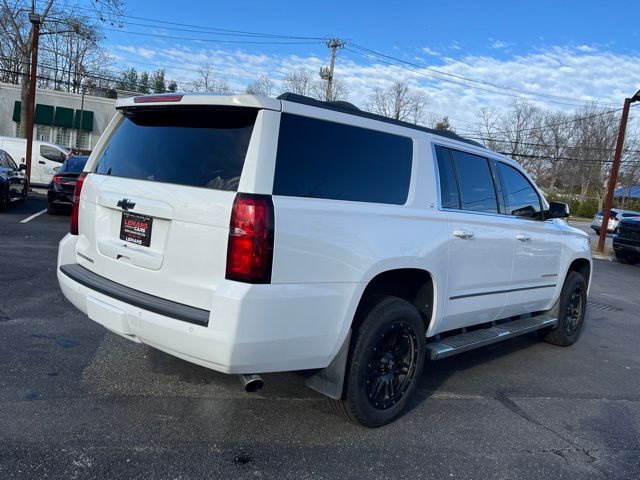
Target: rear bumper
(250, 329)
(59, 198)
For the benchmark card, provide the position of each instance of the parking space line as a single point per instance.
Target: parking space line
(33, 216)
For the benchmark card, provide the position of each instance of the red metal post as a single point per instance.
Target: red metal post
(32, 97)
(613, 178)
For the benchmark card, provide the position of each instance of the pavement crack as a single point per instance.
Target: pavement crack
(502, 397)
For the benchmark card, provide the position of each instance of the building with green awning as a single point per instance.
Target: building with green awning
(60, 117)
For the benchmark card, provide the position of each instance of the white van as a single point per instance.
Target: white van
(47, 157)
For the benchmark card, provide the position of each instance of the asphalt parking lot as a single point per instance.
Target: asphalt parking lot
(79, 402)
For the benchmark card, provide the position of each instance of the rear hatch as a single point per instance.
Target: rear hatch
(155, 209)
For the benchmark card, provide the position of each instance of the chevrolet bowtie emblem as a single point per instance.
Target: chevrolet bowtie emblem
(125, 204)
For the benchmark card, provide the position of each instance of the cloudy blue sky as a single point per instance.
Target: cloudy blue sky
(464, 55)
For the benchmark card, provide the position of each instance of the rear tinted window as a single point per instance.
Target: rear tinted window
(449, 195)
(195, 146)
(321, 159)
(476, 182)
(73, 165)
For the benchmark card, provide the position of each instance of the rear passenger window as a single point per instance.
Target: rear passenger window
(449, 196)
(522, 199)
(321, 159)
(476, 182)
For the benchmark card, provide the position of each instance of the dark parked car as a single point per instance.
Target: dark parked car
(13, 182)
(627, 243)
(60, 190)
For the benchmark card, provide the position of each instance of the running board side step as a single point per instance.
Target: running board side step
(446, 347)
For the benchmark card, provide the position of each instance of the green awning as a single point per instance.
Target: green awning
(16, 111)
(87, 120)
(63, 117)
(44, 114)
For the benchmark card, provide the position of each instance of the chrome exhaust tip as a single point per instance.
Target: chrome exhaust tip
(251, 382)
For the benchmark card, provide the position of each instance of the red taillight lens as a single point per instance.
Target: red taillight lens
(250, 248)
(75, 209)
(57, 179)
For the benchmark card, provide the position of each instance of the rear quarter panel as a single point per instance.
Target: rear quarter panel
(334, 241)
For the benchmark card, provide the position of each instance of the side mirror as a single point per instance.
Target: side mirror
(22, 167)
(557, 210)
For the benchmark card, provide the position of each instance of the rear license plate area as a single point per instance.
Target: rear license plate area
(136, 229)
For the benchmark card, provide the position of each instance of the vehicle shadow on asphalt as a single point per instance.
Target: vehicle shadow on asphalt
(436, 373)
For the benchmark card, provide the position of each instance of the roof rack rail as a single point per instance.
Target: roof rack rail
(346, 107)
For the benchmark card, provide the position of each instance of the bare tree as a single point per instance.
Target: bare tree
(339, 90)
(400, 102)
(17, 34)
(261, 86)
(594, 143)
(513, 132)
(303, 82)
(209, 81)
(299, 81)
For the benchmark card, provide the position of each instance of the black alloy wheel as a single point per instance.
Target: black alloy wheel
(572, 308)
(574, 313)
(387, 353)
(392, 365)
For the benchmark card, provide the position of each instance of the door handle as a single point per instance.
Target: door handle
(41, 162)
(462, 234)
(523, 237)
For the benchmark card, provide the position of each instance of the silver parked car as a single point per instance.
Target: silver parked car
(614, 219)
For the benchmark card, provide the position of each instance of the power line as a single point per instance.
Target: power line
(204, 28)
(529, 144)
(213, 40)
(549, 125)
(568, 159)
(481, 82)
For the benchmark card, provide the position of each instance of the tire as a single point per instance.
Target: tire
(25, 192)
(597, 230)
(622, 258)
(571, 311)
(385, 363)
(4, 201)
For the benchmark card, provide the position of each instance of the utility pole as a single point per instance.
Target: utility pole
(613, 178)
(36, 21)
(79, 129)
(327, 73)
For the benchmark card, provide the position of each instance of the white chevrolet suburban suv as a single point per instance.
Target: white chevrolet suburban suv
(252, 235)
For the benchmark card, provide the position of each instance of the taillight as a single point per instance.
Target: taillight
(250, 247)
(57, 179)
(75, 209)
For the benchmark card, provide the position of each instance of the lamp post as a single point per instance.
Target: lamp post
(613, 178)
(36, 21)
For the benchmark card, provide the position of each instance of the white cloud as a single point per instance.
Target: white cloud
(430, 51)
(562, 71)
(586, 48)
(498, 44)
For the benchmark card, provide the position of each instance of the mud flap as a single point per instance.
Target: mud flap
(330, 380)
